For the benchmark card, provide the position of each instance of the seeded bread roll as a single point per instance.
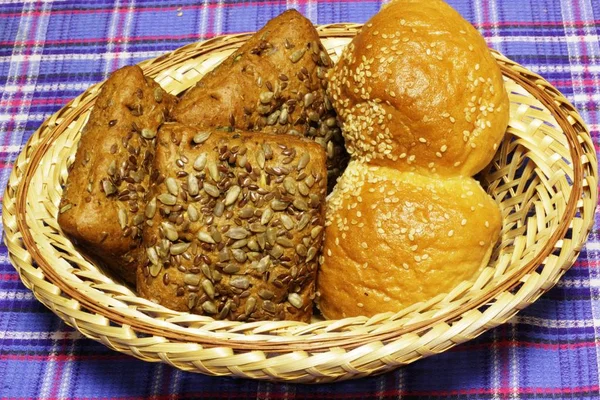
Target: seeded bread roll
(274, 83)
(236, 224)
(105, 194)
(395, 238)
(418, 89)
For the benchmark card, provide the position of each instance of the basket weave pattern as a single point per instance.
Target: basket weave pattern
(544, 176)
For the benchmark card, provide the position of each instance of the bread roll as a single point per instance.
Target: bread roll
(275, 82)
(102, 208)
(396, 238)
(236, 223)
(418, 90)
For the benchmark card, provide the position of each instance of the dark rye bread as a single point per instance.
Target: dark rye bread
(105, 194)
(274, 83)
(236, 224)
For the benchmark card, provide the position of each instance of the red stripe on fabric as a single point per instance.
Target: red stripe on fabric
(9, 277)
(33, 102)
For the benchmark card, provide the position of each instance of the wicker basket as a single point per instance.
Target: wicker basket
(544, 176)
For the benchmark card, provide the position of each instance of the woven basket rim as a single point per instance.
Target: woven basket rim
(533, 83)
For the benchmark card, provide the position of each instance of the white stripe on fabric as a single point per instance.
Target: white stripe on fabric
(311, 11)
(218, 27)
(289, 4)
(66, 373)
(83, 57)
(110, 38)
(158, 376)
(203, 28)
(579, 283)
(591, 38)
(175, 384)
(14, 295)
(21, 335)
(555, 323)
(122, 61)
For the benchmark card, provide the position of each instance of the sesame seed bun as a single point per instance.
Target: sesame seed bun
(417, 89)
(396, 238)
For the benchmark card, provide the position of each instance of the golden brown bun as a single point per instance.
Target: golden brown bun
(417, 89)
(394, 238)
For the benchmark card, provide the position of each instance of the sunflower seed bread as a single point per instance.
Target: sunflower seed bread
(102, 208)
(236, 222)
(276, 83)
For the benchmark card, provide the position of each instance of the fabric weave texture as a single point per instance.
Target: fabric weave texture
(51, 51)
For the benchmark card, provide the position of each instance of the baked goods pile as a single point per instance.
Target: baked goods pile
(215, 202)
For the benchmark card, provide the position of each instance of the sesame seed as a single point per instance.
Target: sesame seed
(476, 67)
(422, 140)
(364, 245)
(487, 224)
(329, 252)
(443, 148)
(482, 243)
(405, 266)
(360, 305)
(463, 222)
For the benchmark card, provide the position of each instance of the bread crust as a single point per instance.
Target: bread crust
(113, 155)
(396, 238)
(252, 238)
(418, 90)
(275, 82)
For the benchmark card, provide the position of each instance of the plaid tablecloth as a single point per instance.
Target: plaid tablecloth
(51, 51)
